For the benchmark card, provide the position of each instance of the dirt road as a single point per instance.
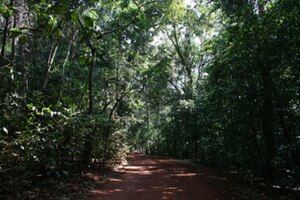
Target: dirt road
(154, 178)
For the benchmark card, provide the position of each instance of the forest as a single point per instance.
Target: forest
(85, 83)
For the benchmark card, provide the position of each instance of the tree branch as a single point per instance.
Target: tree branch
(101, 34)
(175, 86)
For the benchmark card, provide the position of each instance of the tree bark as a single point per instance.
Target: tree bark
(267, 108)
(89, 137)
(185, 63)
(64, 66)
(108, 130)
(50, 61)
(4, 40)
(5, 35)
(14, 40)
(91, 83)
(268, 121)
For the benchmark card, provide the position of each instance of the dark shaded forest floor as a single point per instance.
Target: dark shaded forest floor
(148, 178)
(71, 186)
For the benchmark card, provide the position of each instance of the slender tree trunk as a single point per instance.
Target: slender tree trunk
(13, 42)
(4, 40)
(91, 69)
(254, 133)
(91, 83)
(267, 108)
(108, 130)
(5, 35)
(184, 61)
(50, 61)
(106, 143)
(147, 122)
(64, 66)
(285, 130)
(268, 121)
(89, 137)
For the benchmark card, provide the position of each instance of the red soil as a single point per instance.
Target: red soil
(155, 178)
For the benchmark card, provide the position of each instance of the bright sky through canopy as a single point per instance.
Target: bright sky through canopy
(189, 3)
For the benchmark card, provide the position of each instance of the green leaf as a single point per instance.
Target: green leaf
(74, 16)
(90, 17)
(15, 32)
(92, 14)
(52, 22)
(6, 12)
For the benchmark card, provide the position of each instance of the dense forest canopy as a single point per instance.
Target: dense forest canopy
(84, 82)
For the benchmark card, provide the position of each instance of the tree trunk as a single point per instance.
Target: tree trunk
(14, 40)
(91, 83)
(4, 40)
(267, 109)
(268, 121)
(89, 137)
(187, 66)
(108, 130)
(50, 61)
(5, 35)
(254, 134)
(64, 66)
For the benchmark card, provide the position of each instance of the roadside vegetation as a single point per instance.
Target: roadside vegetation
(82, 83)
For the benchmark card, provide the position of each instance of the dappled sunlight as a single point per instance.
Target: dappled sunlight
(107, 192)
(154, 179)
(184, 174)
(142, 170)
(168, 190)
(149, 99)
(115, 180)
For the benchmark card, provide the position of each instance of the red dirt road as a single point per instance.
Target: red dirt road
(154, 178)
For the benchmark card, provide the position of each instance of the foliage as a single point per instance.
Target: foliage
(84, 82)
